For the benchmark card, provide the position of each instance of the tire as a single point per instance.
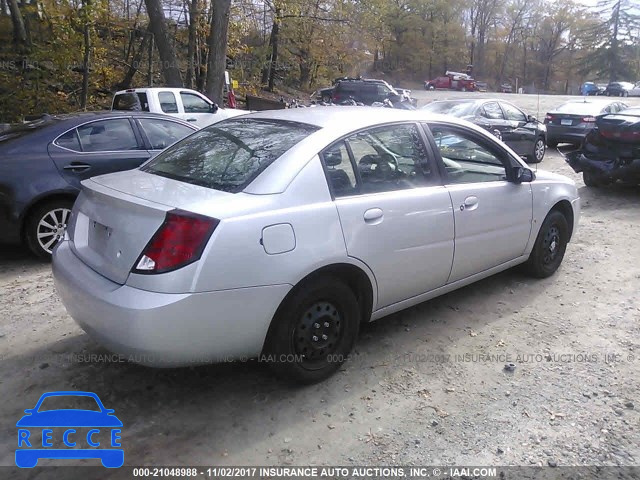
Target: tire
(40, 237)
(430, 87)
(539, 149)
(299, 345)
(326, 98)
(550, 246)
(552, 143)
(625, 94)
(463, 89)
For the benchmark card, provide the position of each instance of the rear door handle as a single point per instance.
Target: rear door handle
(373, 215)
(77, 167)
(470, 203)
(192, 119)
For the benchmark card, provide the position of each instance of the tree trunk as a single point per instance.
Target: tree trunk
(166, 51)
(84, 94)
(135, 63)
(218, 50)
(194, 20)
(3, 7)
(269, 71)
(19, 31)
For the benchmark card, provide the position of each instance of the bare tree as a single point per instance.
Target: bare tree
(86, 17)
(218, 49)
(166, 51)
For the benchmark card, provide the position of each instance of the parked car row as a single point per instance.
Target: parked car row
(612, 89)
(363, 90)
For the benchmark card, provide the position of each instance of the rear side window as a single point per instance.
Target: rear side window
(69, 140)
(493, 111)
(168, 102)
(228, 156)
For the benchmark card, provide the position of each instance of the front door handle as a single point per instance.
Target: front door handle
(192, 119)
(470, 203)
(373, 215)
(77, 167)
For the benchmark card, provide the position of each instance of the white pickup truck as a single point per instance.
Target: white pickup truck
(183, 103)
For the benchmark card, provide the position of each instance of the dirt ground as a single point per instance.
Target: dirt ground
(426, 386)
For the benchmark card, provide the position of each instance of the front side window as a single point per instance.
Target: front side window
(162, 133)
(107, 136)
(513, 114)
(385, 158)
(228, 156)
(194, 104)
(168, 102)
(467, 160)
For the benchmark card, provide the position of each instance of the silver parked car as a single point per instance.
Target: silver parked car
(278, 233)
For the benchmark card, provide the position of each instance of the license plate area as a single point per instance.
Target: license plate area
(566, 121)
(98, 236)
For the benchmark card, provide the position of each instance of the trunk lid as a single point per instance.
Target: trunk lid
(116, 215)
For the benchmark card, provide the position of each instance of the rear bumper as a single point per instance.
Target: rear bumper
(165, 330)
(561, 134)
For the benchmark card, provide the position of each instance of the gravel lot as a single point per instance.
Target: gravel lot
(425, 386)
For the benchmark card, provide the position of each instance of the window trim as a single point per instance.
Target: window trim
(139, 140)
(431, 159)
(505, 157)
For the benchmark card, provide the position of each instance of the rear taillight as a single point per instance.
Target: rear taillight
(589, 119)
(548, 118)
(179, 241)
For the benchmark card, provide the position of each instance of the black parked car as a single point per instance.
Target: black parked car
(611, 151)
(365, 91)
(571, 121)
(42, 163)
(522, 132)
(618, 89)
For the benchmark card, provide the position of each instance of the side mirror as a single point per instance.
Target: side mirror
(522, 175)
(214, 108)
(531, 119)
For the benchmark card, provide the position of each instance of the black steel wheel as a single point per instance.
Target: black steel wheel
(313, 331)
(550, 246)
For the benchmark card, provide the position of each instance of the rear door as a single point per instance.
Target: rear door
(492, 215)
(395, 214)
(96, 148)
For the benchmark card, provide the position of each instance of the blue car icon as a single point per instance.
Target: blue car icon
(98, 420)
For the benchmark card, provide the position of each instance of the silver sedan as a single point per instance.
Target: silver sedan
(275, 235)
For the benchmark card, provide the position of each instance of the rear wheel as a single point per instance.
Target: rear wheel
(551, 243)
(326, 98)
(46, 226)
(314, 331)
(539, 148)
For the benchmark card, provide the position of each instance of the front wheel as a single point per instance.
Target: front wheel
(539, 149)
(46, 226)
(314, 331)
(551, 243)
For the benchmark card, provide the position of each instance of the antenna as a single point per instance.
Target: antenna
(538, 117)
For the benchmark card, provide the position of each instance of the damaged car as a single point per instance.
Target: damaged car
(611, 151)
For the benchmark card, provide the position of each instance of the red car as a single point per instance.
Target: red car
(452, 81)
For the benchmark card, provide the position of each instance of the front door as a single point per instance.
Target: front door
(492, 215)
(396, 216)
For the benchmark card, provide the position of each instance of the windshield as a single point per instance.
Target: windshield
(229, 155)
(457, 109)
(69, 402)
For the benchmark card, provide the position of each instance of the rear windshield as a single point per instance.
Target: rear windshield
(131, 102)
(581, 108)
(457, 109)
(22, 129)
(229, 155)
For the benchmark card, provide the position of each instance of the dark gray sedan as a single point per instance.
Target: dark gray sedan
(571, 121)
(522, 132)
(42, 163)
